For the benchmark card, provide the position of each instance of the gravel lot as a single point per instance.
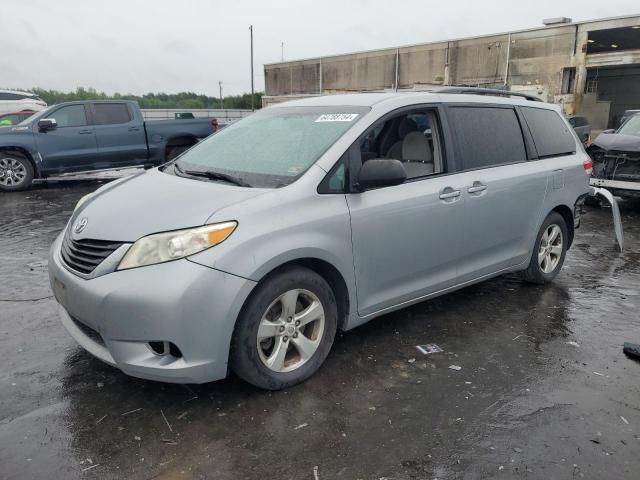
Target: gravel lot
(544, 390)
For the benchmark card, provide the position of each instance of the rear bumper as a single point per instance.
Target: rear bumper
(114, 316)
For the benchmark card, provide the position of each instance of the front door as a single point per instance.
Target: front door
(71, 146)
(406, 238)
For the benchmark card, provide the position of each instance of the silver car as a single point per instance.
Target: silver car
(254, 247)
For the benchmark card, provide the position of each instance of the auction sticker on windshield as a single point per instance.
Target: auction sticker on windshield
(337, 117)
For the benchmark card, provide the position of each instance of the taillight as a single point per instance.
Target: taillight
(214, 124)
(588, 166)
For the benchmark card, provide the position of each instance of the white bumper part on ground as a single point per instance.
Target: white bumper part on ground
(615, 211)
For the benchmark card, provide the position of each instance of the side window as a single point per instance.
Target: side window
(411, 137)
(110, 113)
(11, 119)
(550, 134)
(334, 182)
(11, 96)
(487, 136)
(70, 116)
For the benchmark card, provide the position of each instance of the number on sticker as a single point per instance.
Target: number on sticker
(337, 117)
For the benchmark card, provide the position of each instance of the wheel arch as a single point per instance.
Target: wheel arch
(181, 140)
(26, 154)
(567, 214)
(330, 273)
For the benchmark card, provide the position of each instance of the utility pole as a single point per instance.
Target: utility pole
(221, 102)
(252, 92)
(282, 52)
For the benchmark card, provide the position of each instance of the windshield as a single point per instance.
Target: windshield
(273, 147)
(631, 126)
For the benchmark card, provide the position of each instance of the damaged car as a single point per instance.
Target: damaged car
(616, 159)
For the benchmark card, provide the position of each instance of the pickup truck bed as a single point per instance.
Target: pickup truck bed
(76, 137)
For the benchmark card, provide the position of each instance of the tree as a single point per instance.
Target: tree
(187, 100)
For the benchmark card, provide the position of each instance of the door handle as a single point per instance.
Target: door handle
(449, 193)
(477, 188)
(85, 132)
(134, 129)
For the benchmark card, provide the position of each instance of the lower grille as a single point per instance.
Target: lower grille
(85, 255)
(88, 331)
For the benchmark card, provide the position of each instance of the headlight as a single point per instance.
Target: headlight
(164, 247)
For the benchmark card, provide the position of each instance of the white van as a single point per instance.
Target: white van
(13, 101)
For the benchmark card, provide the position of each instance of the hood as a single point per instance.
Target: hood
(618, 141)
(153, 202)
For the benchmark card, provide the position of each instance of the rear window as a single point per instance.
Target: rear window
(110, 113)
(578, 122)
(550, 134)
(487, 136)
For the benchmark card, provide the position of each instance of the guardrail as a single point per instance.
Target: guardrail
(229, 115)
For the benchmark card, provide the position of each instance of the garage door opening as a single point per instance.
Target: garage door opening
(619, 86)
(614, 39)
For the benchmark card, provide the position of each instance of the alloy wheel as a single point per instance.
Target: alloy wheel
(550, 249)
(12, 172)
(290, 330)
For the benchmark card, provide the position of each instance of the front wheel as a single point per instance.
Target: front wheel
(16, 173)
(285, 331)
(550, 249)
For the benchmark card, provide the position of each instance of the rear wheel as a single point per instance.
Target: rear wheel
(16, 172)
(285, 331)
(550, 249)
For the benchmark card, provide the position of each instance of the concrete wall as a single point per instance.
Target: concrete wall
(536, 60)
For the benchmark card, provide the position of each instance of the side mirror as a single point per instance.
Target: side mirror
(47, 124)
(381, 172)
(611, 130)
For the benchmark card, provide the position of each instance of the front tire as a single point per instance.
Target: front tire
(285, 330)
(16, 172)
(550, 250)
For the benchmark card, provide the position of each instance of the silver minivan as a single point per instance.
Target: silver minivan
(254, 247)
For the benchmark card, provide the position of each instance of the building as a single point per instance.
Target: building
(590, 68)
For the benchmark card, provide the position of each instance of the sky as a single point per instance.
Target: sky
(140, 46)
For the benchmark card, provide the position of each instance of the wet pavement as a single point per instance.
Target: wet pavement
(544, 390)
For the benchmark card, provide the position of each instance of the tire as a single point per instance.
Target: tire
(267, 312)
(16, 172)
(543, 268)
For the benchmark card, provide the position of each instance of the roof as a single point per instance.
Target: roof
(30, 94)
(409, 98)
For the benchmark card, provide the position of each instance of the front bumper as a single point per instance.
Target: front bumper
(114, 316)
(617, 184)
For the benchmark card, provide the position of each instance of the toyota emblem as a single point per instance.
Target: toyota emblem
(80, 224)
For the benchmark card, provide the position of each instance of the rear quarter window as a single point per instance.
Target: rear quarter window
(487, 136)
(550, 133)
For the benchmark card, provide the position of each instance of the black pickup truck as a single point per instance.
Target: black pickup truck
(87, 136)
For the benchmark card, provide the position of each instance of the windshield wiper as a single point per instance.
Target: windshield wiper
(212, 175)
